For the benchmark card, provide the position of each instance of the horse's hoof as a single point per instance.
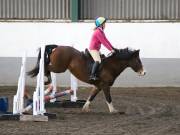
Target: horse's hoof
(117, 112)
(114, 111)
(85, 109)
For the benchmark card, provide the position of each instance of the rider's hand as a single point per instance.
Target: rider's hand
(112, 51)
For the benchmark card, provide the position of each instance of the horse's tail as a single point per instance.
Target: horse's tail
(35, 70)
(48, 50)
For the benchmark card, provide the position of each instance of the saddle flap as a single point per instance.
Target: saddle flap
(87, 53)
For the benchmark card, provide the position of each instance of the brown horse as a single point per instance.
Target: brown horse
(60, 58)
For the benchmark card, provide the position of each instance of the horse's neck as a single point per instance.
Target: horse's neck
(118, 66)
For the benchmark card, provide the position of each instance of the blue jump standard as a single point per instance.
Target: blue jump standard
(4, 104)
(5, 115)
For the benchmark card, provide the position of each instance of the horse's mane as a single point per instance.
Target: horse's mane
(122, 54)
(125, 53)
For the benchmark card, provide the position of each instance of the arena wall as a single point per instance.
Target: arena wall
(159, 44)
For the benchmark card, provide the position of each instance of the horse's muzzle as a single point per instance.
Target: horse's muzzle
(141, 72)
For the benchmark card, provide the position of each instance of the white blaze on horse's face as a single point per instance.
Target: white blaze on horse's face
(136, 64)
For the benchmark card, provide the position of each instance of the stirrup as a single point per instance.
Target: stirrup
(93, 78)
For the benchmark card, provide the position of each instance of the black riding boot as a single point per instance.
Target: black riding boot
(93, 76)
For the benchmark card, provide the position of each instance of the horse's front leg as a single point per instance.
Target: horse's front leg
(107, 94)
(93, 94)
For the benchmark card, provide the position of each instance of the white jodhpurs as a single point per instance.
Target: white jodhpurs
(95, 55)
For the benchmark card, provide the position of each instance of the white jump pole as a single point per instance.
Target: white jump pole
(18, 101)
(38, 97)
(74, 87)
(54, 85)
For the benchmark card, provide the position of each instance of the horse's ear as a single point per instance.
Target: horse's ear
(136, 53)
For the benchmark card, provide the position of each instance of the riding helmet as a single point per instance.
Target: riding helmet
(99, 21)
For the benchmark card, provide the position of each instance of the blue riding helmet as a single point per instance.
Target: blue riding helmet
(99, 21)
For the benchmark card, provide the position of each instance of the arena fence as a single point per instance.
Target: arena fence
(90, 9)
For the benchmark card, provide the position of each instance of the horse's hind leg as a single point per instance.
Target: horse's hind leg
(93, 94)
(51, 68)
(49, 80)
(48, 75)
(107, 94)
(48, 71)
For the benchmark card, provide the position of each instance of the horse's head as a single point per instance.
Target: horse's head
(135, 63)
(132, 58)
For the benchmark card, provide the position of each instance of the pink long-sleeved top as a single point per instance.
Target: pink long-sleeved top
(99, 38)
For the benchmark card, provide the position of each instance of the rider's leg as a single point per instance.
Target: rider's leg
(93, 75)
(96, 56)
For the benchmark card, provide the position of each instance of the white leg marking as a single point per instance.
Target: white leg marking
(86, 106)
(111, 108)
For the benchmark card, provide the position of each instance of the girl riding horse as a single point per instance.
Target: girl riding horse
(97, 39)
(58, 59)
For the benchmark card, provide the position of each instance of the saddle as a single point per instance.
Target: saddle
(88, 55)
(90, 60)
